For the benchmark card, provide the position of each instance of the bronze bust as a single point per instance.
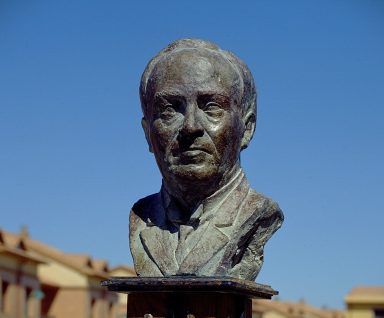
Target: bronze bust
(199, 107)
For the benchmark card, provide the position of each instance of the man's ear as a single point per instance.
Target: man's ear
(144, 124)
(249, 129)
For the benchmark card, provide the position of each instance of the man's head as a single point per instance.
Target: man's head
(199, 106)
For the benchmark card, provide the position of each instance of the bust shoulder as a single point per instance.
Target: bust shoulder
(264, 202)
(258, 211)
(149, 210)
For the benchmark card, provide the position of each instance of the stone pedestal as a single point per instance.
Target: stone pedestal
(189, 297)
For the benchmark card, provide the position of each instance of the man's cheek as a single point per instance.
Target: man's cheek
(221, 135)
(162, 136)
(227, 144)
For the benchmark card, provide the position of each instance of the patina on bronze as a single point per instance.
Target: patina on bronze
(199, 106)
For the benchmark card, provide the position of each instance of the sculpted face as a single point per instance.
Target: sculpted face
(194, 122)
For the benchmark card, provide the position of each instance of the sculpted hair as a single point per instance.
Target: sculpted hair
(248, 100)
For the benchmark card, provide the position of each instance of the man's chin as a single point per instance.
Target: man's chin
(193, 172)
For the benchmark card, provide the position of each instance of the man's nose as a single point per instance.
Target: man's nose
(192, 127)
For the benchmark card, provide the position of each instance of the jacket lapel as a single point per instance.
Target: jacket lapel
(217, 232)
(160, 245)
(211, 241)
(227, 213)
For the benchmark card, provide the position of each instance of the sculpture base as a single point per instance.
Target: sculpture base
(186, 296)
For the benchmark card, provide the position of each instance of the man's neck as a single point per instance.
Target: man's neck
(189, 196)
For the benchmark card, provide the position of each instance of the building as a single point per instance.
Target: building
(39, 281)
(122, 271)
(20, 288)
(277, 309)
(365, 302)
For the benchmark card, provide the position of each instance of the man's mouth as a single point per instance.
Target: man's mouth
(193, 154)
(196, 149)
(191, 150)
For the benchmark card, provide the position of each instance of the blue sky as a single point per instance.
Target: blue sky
(73, 156)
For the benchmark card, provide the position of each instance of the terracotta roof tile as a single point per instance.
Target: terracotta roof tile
(371, 290)
(129, 270)
(366, 295)
(12, 244)
(100, 265)
(82, 263)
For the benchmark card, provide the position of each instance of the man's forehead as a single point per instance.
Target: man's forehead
(195, 68)
(196, 63)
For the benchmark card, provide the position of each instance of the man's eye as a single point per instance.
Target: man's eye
(168, 112)
(169, 108)
(213, 109)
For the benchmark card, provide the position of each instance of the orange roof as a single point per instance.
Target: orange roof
(11, 240)
(366, 295)
(80, 259)
(125, 268)
(27, 249)
(13, 245)
(82, 263)
(371, 290)
(100, 265)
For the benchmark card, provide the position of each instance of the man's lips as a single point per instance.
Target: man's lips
(197, 149)
(192, 153)
(194, 150)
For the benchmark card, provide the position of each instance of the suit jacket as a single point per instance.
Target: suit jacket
(227, 239)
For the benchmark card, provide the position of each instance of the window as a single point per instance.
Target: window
(379, 313)
(93, 308)
(28, 302)
(4, 299)
(47, 295)
(111, 311)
